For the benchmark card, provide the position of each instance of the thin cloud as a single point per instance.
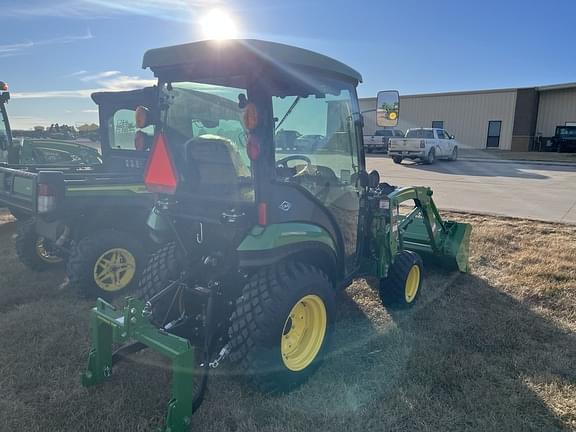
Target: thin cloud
(99, 76)
(22, 47)
(77, 73)
(15, 47)
(165, 9)
(116, 83)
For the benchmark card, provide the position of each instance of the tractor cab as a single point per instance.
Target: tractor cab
(231, 115)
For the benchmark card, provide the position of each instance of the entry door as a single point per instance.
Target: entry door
(442, 142)
(494, 128)
(328, 166)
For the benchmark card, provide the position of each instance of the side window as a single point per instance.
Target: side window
(440, 133)
(122, 132)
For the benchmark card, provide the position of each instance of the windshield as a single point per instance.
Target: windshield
(420, 133)
(204, 129)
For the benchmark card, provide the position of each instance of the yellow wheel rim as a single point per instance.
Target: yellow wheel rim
(44, 254)
(114, 269)
(303, 333)
(412, 284)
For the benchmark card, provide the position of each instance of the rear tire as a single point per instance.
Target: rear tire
(35, 252)
(282, 325)
(431, 158)
(397, 159)
(106, 263)
(401, 289)
(163, 267)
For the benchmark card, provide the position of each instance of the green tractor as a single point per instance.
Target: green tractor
(256, 243)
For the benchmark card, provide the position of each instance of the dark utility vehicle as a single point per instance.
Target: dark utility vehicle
(89, 211)
(564, 140)
(257, 242)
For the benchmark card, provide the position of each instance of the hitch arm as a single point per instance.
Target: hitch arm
(110, 326)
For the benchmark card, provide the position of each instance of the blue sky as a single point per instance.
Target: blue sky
(53, 53)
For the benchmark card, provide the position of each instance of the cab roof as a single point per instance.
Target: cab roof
(240, 56)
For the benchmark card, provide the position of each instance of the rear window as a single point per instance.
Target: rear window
(420, 133)
(567, 131)
(383, 132)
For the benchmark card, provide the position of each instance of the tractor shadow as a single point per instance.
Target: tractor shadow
(467, 357)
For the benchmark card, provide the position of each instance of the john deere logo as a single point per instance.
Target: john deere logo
(285, 206)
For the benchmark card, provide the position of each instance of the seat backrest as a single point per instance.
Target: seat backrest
(215, 163)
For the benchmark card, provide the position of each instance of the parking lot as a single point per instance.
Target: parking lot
(527, 190)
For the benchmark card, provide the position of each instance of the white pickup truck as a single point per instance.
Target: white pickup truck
(425, 144)
(381, 139)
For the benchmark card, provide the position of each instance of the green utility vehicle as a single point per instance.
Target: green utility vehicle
(85, 208)
(256, 242)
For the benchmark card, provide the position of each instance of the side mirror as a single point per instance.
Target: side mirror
(387, 108)
(373, 179)
(362, 179)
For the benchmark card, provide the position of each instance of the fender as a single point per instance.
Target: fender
(265, 245)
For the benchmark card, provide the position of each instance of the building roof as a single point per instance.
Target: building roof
(502, 90)
(557, 86)
(244, 55)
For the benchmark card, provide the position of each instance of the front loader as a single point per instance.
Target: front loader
(258, 236)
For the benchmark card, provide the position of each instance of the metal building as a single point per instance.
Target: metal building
(506, 119)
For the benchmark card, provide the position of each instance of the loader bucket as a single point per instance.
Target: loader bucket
(422, 230)
(457, 245)
(448, 248)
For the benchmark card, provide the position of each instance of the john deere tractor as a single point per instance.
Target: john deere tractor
(257, 238)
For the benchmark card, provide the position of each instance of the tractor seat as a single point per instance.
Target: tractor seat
(214, 165)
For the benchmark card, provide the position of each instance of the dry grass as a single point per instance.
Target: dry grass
(492, 350)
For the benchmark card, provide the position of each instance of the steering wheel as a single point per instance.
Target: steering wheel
(284, 163)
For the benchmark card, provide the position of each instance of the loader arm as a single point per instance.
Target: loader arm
(421, 230)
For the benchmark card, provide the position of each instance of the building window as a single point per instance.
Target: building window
(438, 124)
(493, 139)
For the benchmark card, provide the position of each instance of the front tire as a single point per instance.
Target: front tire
(282, 325)
(106, 263)
(397, 159)
(454, 155)
(34, 251)
(401, 289)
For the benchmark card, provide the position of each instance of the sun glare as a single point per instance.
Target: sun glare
(218, 24)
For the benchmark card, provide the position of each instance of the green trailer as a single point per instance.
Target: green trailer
(256, 240)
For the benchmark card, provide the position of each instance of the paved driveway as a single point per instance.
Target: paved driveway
(536, 191)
